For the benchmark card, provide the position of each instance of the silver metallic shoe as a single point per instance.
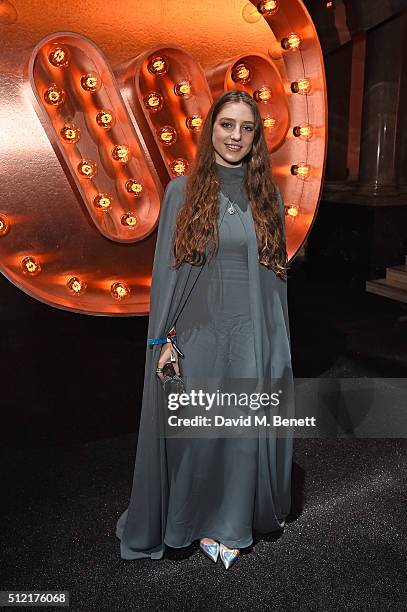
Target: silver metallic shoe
(228, 556)
(210, 550)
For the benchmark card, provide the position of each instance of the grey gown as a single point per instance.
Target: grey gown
(212, 482)
(184, 489)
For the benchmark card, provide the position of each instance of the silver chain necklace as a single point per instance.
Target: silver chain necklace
(231, 209)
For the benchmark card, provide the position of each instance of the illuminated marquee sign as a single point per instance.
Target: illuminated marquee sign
(78, 221)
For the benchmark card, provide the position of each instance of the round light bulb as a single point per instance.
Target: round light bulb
(179, 166)
(70, 133)
(263, 94)
(134, 187)
(241, 73)
(268, 7)
(194, 123)
(103, 201)
(30, 266)
(129, 220)
(302, 86)
(121, 153)
(4, 225)
(59, 56)
(269, 122)
(301, 170)
(157, 65)
(304, 131)
(87, 168)
(120, 291)
(291, 42)
(167, 135)
(76, 286)
(105, 119)
(90, 82)
(183, 88)
(153, 101)
(292, 210)
(54, 95)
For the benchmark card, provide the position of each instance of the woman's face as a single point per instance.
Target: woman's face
(233, 133)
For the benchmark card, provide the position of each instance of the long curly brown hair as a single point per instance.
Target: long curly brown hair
(197, 219)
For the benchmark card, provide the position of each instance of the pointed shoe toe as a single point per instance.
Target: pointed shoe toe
(228, 557)
(210, 550)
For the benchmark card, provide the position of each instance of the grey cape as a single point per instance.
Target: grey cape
(141, 527)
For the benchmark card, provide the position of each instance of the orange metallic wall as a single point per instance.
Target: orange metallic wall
(101, 104)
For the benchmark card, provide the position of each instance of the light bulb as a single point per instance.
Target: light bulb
(268, 7)
(102, 201)
(105, 119)
(153, 101)
(54, 95)
(76, 286)
(70, 133)
(167, 135)
(304, 131)
(183, 88)
(292, 210)
(59, 56)
(4, 225)
(120, 291)
(134, 187)
(179, 166)
(90, 82)
(291, 42)
(269, 122)
(241, 73)
(301, 170)
(30, 266)
(129, 220)
(194, 123)
(157, 65)
(121, 153)
(302, 86)
(87, 168)
(263, 94)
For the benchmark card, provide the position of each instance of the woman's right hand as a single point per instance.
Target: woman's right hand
(165, 357)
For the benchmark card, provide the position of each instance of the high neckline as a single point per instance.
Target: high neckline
(234, 174)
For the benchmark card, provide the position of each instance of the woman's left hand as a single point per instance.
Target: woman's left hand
(165, 356)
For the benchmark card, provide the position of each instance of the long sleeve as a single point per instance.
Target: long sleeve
(164, 275)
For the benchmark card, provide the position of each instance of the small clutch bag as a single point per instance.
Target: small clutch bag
(172, 383)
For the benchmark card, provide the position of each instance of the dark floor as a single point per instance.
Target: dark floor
(344, 549)
(71, 390)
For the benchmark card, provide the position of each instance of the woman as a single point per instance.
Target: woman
(219, 282)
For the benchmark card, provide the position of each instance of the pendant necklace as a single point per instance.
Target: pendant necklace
(231, 209)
